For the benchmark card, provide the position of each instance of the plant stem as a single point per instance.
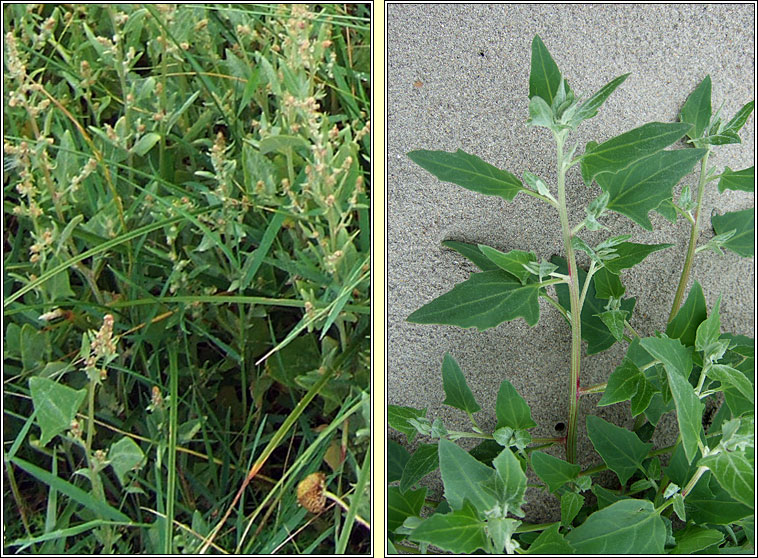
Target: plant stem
(576, 332)
(693, 240)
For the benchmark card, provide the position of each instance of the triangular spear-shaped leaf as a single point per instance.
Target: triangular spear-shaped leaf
(607, 284)
(483, 301)
(677, 360)
(422, 462)
(644, 184)
(618, 153)
(473, 253)
(468, 171)
(589, 108)
(620, 448)
(513, 479)
(697, 109)
(739, 119)
(628, 526)
(690, 316)
(464, 477)
(511, 409)
(743, 241)
(56, 406)
(512, 262)
(544, 77)
(623, 383)
(738, 180)
(629, 254)
(735, 471)
(460, 531)
(457, 392)
(554, 472)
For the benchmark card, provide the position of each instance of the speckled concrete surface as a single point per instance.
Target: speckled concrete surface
(458, 78)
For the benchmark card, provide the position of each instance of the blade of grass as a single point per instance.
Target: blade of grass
(355, 502)
(72, 532)
(173, 371)
(97, 250)
(279, 435)
(74, 492)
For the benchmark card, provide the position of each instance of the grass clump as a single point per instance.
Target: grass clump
(186, 287)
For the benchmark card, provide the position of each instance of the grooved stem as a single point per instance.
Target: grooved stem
(576, 327)
(693, 242)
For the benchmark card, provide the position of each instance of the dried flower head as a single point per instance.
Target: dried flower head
(311, 492)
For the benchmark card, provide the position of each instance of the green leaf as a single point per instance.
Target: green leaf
(690, 316)
(730, 376)
(145, 143)
(255, 258)
(571, 503)
(667, 209)
(738, 180)
(512, 475)
(56, 406)
(709, 331)
(281, 143)
(618, 153)
(625, 527)
(422, 462)
(513, 262)
(501, 531)
(605, 497)
(614, 321)
(397, 457)
(401, 505)
(630, 254)
(468, 171)
(692, 538)
(623, 383)
(708, 502)
(743, 242)
(674, 356)
(483, 301)
(589, 108)
(397, 418)
(679, 506)
(621, 449)
(689, 411)
(298, 357)
(739, 119)
(607, 284)
(553, 471)
(644, 396)
(460, 531)
(472, 252)
(457, 392)
(464, 478)
(540, 113)
(544, 77)
(646, 182)
(511, 409)
(34, 345)
(124, 456)
(594, 331)
(735, 472)
(722, 138)
(551, 543)
(697, 109)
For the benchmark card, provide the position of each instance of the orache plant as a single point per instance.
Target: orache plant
(708, 482)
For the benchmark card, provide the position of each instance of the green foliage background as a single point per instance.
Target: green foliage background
(200, 173)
